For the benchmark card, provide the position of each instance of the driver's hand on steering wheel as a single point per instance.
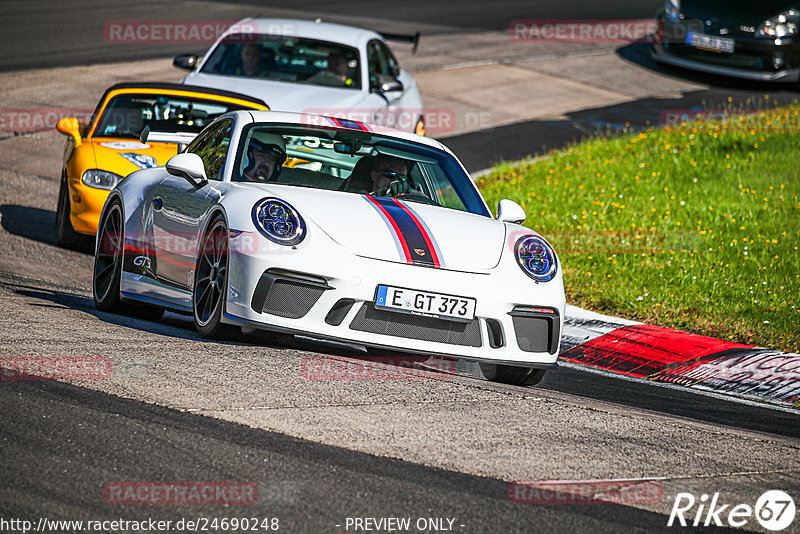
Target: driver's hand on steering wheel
(397, 187)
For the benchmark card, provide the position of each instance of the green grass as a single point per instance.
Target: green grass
(695, 227)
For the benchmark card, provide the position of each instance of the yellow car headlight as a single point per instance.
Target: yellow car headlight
(100, 179)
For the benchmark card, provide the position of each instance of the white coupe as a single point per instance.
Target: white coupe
(312, 67)
(335, 230)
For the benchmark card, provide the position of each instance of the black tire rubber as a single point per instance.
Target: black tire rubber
(211, 282)
(107, 271)
(535, 377)
(66, 236)
(509, 374)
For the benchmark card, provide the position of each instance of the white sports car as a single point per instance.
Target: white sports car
(312, 67)
(335, 230)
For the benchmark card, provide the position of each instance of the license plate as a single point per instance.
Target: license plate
(405, 300)
(710, 42)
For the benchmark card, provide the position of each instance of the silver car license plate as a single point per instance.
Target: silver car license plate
(417, 302)
(710, 42)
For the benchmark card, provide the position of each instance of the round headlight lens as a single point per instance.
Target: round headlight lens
(536, 257)
(100, 179)
(278, 221)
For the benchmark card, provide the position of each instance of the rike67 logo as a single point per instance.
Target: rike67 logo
(774, 511)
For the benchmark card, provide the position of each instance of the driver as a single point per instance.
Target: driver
(390, 177)
(265, 155)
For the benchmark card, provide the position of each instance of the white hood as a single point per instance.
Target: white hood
(463, 241)
(284, 96)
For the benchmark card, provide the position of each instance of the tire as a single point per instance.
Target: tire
(66, 236)
(107, 272)
(509, 374)
(108, 261)
(211, 282)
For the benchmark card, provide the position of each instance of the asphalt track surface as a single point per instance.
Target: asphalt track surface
(49, 33)
(60, 442)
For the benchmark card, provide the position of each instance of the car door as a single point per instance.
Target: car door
(179, 208)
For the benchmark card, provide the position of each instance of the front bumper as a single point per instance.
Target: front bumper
(517, 322)
(660, 53)
(86, 204)
(752, 58)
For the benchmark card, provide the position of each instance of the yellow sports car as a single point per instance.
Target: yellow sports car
(99, 154)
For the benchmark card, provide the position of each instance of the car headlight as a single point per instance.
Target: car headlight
(100, 179)
(672, 9)
(536, 257)
(278, 221)
(783, 25)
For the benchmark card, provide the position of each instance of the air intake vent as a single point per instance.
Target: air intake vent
(287, 294)
(536, 329)
(291, 299)
(369, 319)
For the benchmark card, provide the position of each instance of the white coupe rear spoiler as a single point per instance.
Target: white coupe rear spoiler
(180, 138)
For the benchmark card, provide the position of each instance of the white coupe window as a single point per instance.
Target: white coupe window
(290, 59)
(355, 162)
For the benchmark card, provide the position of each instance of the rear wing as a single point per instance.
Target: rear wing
(180, 138)
(413, 39)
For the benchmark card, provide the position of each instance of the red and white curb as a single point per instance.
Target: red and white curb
(664, 355)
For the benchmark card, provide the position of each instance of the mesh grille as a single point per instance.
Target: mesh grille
(369, 319)
(533, 333)
(290, 299)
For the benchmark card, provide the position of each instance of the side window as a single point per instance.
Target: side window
(212, 147)
(381, 62)
(391, 65)
(374, 64)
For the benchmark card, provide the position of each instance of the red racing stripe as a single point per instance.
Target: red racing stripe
(400, 237)
(425, 236)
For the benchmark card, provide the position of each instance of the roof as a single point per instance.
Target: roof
(308, 119)
(161, 86)
(323, 31)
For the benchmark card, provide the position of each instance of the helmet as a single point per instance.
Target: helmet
(266, 142)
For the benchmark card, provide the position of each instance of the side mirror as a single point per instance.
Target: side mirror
(189, 166)
(70, 126)
(386, 84)
(185, 61)
(510, 211)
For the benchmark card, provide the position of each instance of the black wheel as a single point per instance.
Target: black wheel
(509, 374)
(211, 281)
(108, 270)
(108, 261)
(66, 236)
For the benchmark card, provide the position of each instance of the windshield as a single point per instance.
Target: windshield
(126, 115)
(354, 162)
(290, 59)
